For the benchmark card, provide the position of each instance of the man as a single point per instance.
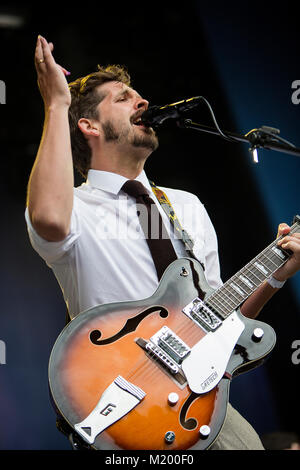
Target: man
(88, 235)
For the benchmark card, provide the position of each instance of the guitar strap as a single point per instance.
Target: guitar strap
(167, 207)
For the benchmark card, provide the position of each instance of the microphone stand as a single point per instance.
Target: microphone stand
(265, 137)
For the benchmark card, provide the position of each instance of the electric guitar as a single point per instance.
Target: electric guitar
(154, 374)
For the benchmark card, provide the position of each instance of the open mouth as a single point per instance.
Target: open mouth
(138, 122)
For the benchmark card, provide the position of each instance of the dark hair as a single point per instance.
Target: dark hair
(85, 99)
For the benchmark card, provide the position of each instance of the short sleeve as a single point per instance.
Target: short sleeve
(54, 252)
(212, 263)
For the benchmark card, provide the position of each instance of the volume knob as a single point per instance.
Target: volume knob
(257, 334)
(169, 437)
(173, 398)
(204, 431)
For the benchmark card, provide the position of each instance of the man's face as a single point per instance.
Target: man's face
(120, 113)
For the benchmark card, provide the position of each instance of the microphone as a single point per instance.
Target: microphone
(156, 115)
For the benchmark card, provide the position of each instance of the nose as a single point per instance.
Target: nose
(142, 103)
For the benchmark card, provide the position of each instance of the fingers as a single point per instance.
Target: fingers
(65, 71)
(46, 51)
(39, 56)
(283, 229)
(43, 55)
(290, 242)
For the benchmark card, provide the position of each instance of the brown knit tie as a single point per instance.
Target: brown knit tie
(153, 227)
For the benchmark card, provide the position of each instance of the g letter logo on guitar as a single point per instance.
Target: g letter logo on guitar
(108, 409)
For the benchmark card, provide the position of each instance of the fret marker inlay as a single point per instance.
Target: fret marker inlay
(262, 268)
(237, 289)
(246, 281)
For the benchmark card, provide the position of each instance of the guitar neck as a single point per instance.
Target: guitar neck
(239, 287)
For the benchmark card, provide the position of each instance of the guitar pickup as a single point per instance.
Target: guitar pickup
(169, 342)
(168, 350)
(202, 314)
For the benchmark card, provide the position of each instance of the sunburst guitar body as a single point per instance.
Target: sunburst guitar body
(155, 374)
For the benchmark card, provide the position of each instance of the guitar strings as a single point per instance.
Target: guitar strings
(219, 298)
(145, 369)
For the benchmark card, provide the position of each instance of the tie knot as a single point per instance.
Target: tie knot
(134, 188)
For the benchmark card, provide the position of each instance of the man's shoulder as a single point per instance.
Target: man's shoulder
(180, 195)
(84, 193)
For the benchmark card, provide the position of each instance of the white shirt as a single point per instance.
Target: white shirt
(105, 258)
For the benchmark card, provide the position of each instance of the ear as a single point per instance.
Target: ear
(88, 127)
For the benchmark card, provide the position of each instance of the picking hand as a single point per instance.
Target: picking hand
(51, 76)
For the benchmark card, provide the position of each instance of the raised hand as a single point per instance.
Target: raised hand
(51, 76)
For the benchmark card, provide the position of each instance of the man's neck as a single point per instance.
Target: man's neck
(128, 166)
(130, 173)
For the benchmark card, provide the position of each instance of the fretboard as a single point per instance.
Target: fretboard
(239, 287)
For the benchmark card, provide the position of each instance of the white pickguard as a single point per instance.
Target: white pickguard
(205, 365)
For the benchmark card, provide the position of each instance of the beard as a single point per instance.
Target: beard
(145, 139)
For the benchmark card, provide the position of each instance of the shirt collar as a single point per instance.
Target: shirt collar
(112, 182)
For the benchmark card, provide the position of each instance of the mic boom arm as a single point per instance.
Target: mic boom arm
(266, 137)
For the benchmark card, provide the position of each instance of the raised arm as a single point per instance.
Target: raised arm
(50, 187)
